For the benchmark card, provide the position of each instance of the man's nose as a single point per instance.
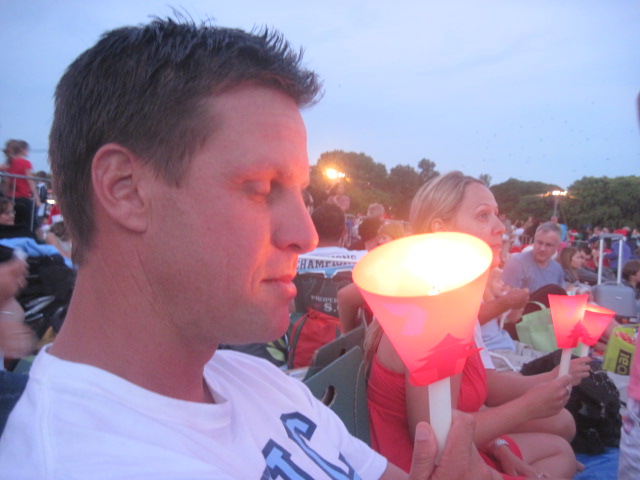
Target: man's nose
(295, 228)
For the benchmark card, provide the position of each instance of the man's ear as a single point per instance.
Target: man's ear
(118, 177)
(437, 225)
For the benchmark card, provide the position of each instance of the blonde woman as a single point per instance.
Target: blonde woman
(527, 409)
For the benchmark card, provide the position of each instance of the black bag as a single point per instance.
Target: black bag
(46, 297)
(594, 403)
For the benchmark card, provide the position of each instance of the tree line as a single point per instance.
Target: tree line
(590, 201)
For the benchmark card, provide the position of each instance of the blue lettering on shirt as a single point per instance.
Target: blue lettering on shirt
(279, 464)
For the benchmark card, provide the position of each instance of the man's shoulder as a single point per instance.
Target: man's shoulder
(244, 367)
(555, 265)
(520, 257)
(516, 268)
(233, 359)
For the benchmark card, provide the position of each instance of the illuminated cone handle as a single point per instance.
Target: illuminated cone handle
(425, 290)
(567, 312)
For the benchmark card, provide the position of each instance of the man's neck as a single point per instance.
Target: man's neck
(131, 343)
(543, 264)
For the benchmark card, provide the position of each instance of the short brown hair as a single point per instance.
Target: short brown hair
(145, 88)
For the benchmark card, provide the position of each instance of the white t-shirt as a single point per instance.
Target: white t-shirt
(496, 338)
(484, 353)
(322, 254)
(75, 421)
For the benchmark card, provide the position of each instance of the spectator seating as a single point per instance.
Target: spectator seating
(330, 352)
(342, 386)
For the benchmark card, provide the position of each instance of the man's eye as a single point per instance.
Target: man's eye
(257, 190)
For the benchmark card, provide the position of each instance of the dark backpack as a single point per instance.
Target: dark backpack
(595, 406)
(46, 297)
(594, 403)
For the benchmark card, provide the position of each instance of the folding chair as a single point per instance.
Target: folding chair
(333, 350)
(342, 386)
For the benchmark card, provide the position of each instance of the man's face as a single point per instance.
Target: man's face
(545, 245)
(230, 234)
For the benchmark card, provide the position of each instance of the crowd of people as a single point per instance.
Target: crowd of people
(188, 234)
(534, 431)
(521, 427)
(24, 199)
(26, 230)
(517, 411)
(531, 260)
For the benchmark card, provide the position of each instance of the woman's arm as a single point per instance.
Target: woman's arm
(16, 338)
(416, 398)
(514, 299)
(543, 400)
(349, 302)
(33, 187)
(53, 239)
(540, 401)
(13, 277)
(503, 387)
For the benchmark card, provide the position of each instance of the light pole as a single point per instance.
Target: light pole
(556, 198)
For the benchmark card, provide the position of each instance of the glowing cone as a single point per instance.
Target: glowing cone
(595, 322)
(425, 290)
(566, 313)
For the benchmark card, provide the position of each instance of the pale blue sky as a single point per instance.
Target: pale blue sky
(534, 90)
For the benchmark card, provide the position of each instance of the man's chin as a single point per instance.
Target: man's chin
(275, 326)
(258, 327)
